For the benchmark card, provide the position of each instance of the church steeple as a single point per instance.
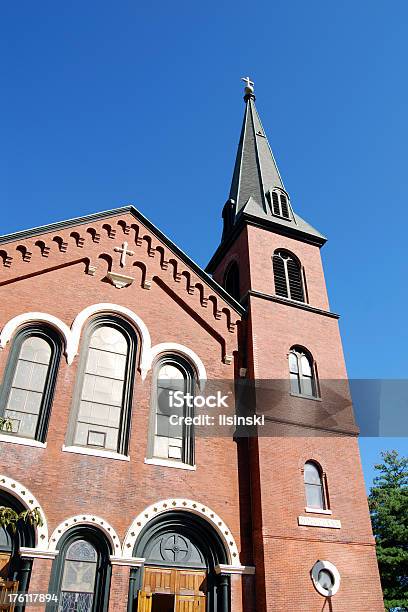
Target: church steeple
(257, 192)
(255, 169)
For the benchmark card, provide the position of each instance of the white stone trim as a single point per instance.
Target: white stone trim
(129, 562)
(318, 511)
(119, 280)
(86, 519)
(35, 317)
(314, 573)
(95, 452)
(20, 440)
(247, 570)
(34, 553)
(180, 349)
(29, 501)
(80, 319)
(317, 521)
(188, 505)
(170, 464)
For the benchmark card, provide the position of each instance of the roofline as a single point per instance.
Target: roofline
(36, 231)
(283, 230)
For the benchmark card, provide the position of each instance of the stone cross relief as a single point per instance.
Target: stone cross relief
(123, 250)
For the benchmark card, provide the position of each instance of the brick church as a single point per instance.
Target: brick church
(102, 317)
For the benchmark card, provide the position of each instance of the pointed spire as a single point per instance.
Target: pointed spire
(257, 190)
(255, 171)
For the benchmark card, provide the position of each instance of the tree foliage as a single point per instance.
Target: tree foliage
(388, 502)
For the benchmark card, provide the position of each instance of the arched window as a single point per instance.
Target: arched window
(173, 380)
(29, 383)
(314, 489)
(81, 572)
(103, 395)
(288, 276)
(231, 280)
(279, 204)
(303, 380)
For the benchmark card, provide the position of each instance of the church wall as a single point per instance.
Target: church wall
(68, 484)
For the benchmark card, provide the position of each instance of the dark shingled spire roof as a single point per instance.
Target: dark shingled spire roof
(255, 177)
(255, 168)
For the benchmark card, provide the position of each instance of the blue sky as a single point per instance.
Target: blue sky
(109, 103)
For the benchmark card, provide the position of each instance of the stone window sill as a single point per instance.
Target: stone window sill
(23, 441)
(318, 511)
(82, 450)
(169, 463)
(308, 397)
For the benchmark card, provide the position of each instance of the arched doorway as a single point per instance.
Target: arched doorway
(181, 552)
(14, 570)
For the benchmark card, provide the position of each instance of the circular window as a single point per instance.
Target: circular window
(326, 578)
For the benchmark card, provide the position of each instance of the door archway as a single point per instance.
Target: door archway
(181, 552)
(14, 570)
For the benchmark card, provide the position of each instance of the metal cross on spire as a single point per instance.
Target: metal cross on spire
(248, 81)
(249, 89)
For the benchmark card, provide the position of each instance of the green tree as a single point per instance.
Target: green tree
(388, 502)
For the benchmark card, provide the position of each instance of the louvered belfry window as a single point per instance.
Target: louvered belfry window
(287, 272)
(279, 204)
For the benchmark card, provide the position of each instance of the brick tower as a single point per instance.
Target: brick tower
(312, 543)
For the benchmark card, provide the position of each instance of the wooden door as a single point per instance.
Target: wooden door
(190, 603)
(175, 581)
(144, 602)
(159, 580)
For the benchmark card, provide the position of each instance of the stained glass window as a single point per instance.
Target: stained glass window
(78, 579)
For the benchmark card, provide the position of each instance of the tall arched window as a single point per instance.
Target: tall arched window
(103, 397)
(288, 276)
(173, 379)
(29, 382)
(231, 280)
(314, 489)
(302, 370)
(81, 572)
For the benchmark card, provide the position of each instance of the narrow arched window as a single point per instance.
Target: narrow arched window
(302, 370)
(103, 396)
(288, 276)
(231, 280)
(314, 489)
(81, 573)
(171, 438)
(29, 383)
(279, 204)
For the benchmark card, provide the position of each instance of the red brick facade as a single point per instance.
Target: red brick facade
(256, 486)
